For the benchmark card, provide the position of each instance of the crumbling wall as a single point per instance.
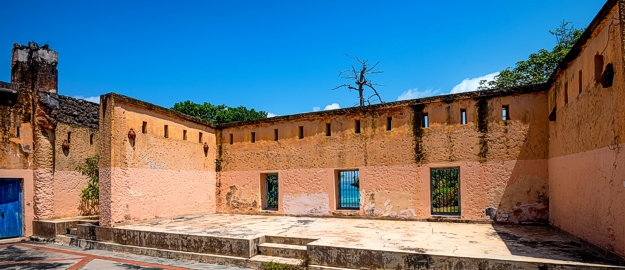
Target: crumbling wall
(503, 165)
(586, 140)
(34, 74)
(156, 174)
(15, 128)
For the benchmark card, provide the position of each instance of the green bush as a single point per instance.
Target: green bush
(90, 169)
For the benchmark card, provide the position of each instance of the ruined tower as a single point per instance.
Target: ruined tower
(34, 76)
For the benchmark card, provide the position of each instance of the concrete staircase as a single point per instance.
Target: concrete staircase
(285, 250)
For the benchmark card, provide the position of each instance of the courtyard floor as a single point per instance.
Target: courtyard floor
(502, 242)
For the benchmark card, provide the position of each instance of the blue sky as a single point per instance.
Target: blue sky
(282, 57)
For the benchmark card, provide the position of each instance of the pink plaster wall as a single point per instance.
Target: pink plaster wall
(148, 194)
(586, 184)
(155, 176)
(588, 196)
(67, 189)
(516, 188)
(28, 193)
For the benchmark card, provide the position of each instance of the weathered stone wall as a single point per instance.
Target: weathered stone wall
(503, 164)
(15, 128)
(34, 74)
(154, 175)
(586, 160)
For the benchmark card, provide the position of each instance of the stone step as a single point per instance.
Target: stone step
(164, 253)
(320, 267)
(72, 231)
(88, 221)
(276, 239)
(262, 259)
(65, 240)
(283, 250)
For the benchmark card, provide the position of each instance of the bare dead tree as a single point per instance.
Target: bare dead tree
(360, 79)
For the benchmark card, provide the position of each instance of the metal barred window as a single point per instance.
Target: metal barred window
(349, 189)
(445, 187)
(271, 189)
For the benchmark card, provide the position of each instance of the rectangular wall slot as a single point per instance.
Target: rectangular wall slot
(17, 131)
(144, 127)
(301, 132)
(91, 139)
(231, 138)
(566, 93)
(328, 129)
(389, 123)
(598, 67)
(69, 137)
(166, 128)
(357, 127)
(580, 81)
(199, 137)
(253, 137)
(275, 134)
(463, 116)
(505, 112)
(184, 135)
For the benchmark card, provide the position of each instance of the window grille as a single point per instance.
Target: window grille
(445, 191)
(349, 189)
(271, 191)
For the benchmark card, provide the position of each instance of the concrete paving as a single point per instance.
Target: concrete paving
(50, 256)
(500, 242)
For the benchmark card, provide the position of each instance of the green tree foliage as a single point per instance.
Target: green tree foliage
(540, 65)
(218, 113)
(90, 169)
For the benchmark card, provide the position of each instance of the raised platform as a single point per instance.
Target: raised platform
(353, 243)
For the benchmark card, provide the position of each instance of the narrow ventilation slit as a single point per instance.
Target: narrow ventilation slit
(253, 137)
(199, 137)
(566, 93)
(231, 138)
(580, 81)
(184, 135)
(166, 128)
(463, 116)
(144, 127)
(505, 112)
(328, 129)
(598, 67)
(301, 132)
(275, 134)
(357, 127)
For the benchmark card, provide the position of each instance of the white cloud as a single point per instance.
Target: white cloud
(316, 109)
(332, 106)
(95, 99)
(271, 114)
(471, 84)
(415, 93)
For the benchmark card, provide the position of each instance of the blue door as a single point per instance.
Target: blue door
(10, 208)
